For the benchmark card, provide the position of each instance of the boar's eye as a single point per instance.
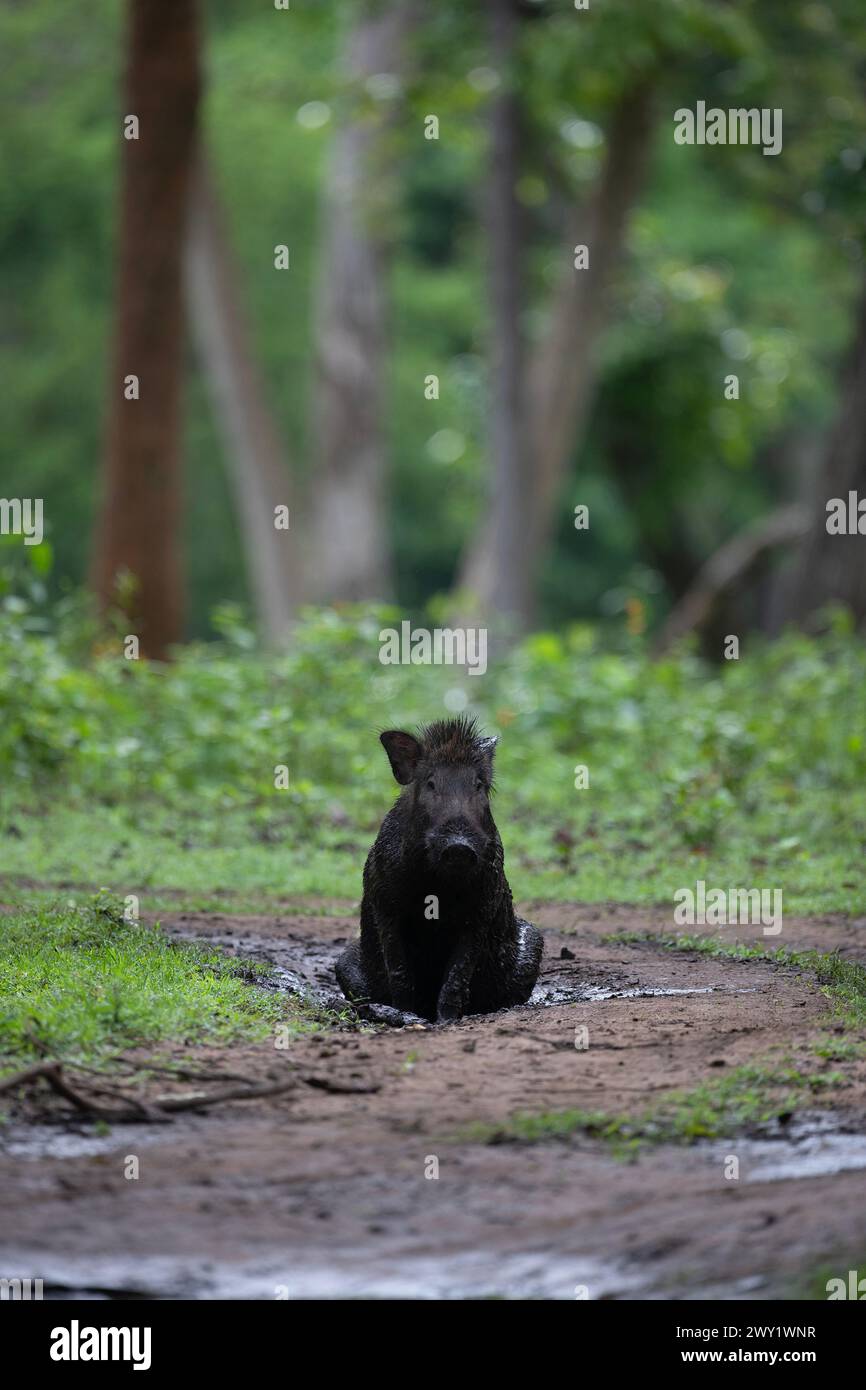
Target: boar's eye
(431, 785)
(479, 785)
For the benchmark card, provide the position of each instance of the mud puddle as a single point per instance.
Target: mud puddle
(553, 992)
(302, 966)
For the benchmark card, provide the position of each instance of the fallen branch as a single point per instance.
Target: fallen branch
(729, 564)
(52, 1072)
(186, 1074)
(160, 1110)
(557, 1043)
(174, 1104)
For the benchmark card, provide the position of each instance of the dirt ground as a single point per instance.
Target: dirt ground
(329, 1193)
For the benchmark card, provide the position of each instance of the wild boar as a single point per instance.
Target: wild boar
(439, 937)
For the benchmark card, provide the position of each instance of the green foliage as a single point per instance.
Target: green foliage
(140, 775)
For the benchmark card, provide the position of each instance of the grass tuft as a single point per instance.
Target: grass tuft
(80, 982)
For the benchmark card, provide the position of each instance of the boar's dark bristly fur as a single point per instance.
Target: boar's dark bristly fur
(439, 936)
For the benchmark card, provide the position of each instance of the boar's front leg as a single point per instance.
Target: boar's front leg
(454, 993)
(397, 968)
(351, 976)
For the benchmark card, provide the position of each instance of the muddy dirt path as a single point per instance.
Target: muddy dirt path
(315, 1194)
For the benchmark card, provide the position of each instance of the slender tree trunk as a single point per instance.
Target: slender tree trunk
(139, 523)
(833, 567)
(498, 576)
(349, 552)
(252, 449)
(564, 370)
(561, 373)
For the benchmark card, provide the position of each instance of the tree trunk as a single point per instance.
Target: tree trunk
(252, 449)
(349, 553)
(139, 523)
(562, 370)
(497, 578)
(833, 567)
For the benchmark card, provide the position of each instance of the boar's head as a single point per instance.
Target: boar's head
(448, 773)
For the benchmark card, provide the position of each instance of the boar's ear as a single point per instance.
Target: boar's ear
(486, 748)
(403, 753)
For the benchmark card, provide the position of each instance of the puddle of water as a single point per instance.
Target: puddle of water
(289, 980)
(809, 1146)
(545, 995)
(748, 1289)
(315, 981)
(459, 1275)
(50, 1141)
(599, 992)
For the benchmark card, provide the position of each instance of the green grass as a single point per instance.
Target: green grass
(159, 781)
(744, 1098)
(81, 983)
(261, 856)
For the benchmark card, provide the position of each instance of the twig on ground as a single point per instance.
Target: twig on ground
(52, 1072)
(160, 1110)
(336, 1088)
(21, 1078)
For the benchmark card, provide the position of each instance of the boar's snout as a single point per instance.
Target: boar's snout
(455, 851)
(458, 855)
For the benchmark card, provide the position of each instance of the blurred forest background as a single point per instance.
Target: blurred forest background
(413, 257)
(304, 377)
